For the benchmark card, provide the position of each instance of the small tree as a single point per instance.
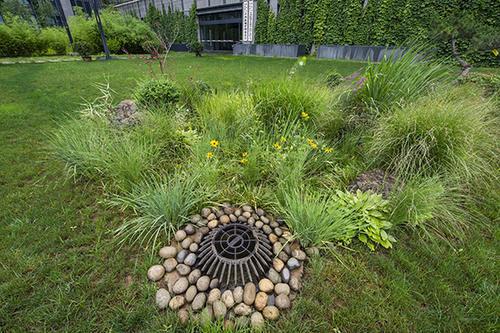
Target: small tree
(465, 37)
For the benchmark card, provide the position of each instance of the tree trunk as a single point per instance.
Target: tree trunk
(465, 65)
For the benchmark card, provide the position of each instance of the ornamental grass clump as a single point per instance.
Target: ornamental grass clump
(396, 82)
(289, 101)
(449, 132)
(161, 207)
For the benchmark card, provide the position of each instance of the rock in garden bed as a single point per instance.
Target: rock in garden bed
(378, 181)
(232, 263)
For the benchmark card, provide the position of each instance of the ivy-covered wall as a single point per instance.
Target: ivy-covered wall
(380, 22)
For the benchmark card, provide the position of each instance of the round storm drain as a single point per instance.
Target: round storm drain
(235, 254)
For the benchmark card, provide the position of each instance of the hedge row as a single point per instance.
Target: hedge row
(380, 22)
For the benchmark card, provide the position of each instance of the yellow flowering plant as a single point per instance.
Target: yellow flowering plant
(214, 143)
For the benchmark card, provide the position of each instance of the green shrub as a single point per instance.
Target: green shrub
(54, 40)
(287, 101)
(450, 131)
(193, 92)
(196, 47)
(162, 207)
(333, 79)
(18, 38)
(157, 92)
(394, 82)
(83, 48)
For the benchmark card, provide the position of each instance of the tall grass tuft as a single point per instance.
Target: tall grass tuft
(289, 101)
(161, 207)
(433, 207)
(394, 82)
(450, 132)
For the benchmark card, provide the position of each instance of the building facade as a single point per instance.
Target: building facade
(222, 23)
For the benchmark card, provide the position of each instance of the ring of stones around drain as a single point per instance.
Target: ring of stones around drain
(186, 288)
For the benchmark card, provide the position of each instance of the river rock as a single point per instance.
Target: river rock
(278, 264)
(189, 229)
(194, 276)
(176, 302)
(293, 263)
(214, 283)
(282, 288)
(170, 264)
(205, 212)
(294, 283)
(190, 293)
(228, 299)
(249, 293)
(299, 254)
(183, 269)
(282, 302)
(180, 235)
(186, 242)
(266, 285)
(271, 312)
(193, 247)
(224, 219)
(199, 302)
(219, 309)
(181, 256)
(180, 286)
(238, 294)
(162, 298)
(242, 309)
(278, 231)
(168, 252)
(274, 276)
(257, 320)
(213, 295)
(190, 259)
(285, 275)
(211, 217)
(156, 272)
(260, 300)
(213, 224)
(183, 315)
(203, 283)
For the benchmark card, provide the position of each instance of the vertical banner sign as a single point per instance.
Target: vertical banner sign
(245, 21)
(248, 20)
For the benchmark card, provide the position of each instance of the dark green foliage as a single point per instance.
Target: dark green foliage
(196, 47)
(161, 92)
(83, 48)
(383, 22)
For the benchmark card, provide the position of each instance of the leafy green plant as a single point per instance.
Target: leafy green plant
(157, 92)
(450, 131)
(161, 207)
(333, 78)
(18, 38)
(368, 213)
(55, 40)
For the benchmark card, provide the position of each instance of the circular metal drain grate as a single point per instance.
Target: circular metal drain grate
(235, 254)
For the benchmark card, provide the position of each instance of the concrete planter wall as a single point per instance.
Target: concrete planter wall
(270, 50)
(358, 52)
(179, 47)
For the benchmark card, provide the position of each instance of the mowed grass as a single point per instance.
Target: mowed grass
(61, 271)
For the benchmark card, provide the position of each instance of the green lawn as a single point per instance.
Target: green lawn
(60, 271)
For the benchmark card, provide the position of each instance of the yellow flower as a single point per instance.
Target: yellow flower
(277, 146)
(210, 155)
(304, 115)
(312, 144)
(328, 150)
(244, 161)
(244, 155)
(495, 52)
(283, 139)
(214, 143)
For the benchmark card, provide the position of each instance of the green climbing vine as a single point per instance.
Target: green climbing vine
(375, 22)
